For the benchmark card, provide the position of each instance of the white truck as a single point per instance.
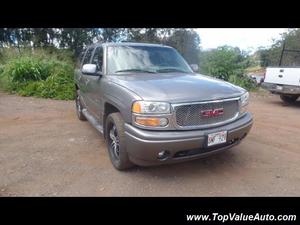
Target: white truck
(284, 81)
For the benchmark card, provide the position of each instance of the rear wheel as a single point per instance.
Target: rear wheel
(79, 107)
(289, 98)
(115, 140)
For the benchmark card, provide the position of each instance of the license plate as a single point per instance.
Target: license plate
(216, 138)
(279, 87)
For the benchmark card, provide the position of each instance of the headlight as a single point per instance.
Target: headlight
(245, 99)
(244, 102)
(144, 107)
(147, 114)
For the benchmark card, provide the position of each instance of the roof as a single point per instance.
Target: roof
(130, 44)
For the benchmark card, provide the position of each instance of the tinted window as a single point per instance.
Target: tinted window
(88, 56)
(98, 58)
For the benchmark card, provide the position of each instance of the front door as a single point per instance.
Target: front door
(94, 83)
(83, 79)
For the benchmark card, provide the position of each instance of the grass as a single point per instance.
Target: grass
(40, 73)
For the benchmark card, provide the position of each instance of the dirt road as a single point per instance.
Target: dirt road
(46, 151)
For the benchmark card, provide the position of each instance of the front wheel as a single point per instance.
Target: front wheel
(289, 98)
(115, 140)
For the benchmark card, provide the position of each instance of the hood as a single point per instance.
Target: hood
(177, 87)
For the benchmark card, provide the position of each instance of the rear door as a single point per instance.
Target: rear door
(285, 76)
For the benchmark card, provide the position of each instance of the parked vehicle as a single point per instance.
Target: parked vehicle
(284, 81)
(257, 79)
(153, 108)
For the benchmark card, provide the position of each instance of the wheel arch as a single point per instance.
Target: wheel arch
(108, 109)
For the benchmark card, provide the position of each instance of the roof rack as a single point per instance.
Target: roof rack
(286, 50)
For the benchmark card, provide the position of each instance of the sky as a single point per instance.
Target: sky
(248, 39)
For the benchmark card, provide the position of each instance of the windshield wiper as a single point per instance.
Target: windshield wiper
(135, 70)
(169, 70)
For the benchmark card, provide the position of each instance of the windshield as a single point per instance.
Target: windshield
(145, 59)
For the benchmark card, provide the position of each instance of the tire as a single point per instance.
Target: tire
(79, 107)
(289, 98)
(115, 140)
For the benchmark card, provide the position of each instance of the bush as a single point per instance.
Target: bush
(227, 63)
(25, 69)
(243, 82)
(1, 69)
(40, 74)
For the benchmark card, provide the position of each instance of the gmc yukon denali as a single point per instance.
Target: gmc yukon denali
(153, 108)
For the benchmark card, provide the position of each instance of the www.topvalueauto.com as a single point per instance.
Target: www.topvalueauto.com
(239, 217)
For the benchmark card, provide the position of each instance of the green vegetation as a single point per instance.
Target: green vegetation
(271, 56)
(229, 64)
(254, 69)
(40, 61)
(42, 74)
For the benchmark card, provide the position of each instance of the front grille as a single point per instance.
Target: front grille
(190, 115)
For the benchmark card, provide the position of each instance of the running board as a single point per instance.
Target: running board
(92, 120)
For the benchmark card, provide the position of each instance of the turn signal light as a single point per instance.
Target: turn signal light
(151, 121)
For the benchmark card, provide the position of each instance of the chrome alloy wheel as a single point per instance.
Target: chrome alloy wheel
(114, 141)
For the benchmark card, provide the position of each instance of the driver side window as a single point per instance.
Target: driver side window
(87, 56)
(98, 58)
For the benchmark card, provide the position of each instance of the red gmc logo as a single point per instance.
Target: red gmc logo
(212, 112)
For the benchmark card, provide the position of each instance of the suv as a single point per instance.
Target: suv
(152, 108)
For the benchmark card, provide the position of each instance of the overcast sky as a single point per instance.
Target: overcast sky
(244, 38)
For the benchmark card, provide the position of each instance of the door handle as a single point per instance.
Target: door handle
(280, 76)
(281, 71)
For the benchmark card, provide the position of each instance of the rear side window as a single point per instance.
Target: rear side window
(87, 57)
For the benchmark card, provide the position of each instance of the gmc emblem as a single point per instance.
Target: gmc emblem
(212, 112)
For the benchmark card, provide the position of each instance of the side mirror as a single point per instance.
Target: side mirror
(89, 69)
(194, 67)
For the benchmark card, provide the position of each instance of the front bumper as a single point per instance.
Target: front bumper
(281, 89)
(143, 146)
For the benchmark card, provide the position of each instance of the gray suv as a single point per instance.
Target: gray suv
(153, 108)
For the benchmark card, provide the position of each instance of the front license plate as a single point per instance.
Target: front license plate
(216, 138)
(279, 87)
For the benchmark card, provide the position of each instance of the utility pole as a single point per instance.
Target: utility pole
(283, 48)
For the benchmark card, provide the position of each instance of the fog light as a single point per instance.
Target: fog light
(163, 155)
(164, 122)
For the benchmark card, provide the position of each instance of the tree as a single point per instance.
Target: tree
(223, 62)
(271, 56)
(146, 35)
(112, 34)
(187, 42)
(76, 38)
